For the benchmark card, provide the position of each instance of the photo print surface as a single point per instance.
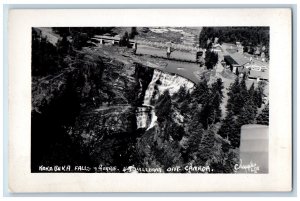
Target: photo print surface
(150, 99)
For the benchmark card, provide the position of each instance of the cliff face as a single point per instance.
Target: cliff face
(106, 134)
(85, 108)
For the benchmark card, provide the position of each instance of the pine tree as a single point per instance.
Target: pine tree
(244, 95)
(259, 93)
(247, 114)
(263, 118)
(227, 127)
(251, 91)
(218, 87)
(124, 40)
(194, 137)
(194, 132)
(167, 155)
(211, 110)
(230, 130)
(163, 107)
(211, 59)
(235, 137)
(176, 131)
(216, 103)
(257, 98)
(238, 95)
(133, 32)
(241, 108)
(206, 146)
(201, 92)
(243, 87)
(231, 161)
(234, 89)
(207, 115)
(217, 97)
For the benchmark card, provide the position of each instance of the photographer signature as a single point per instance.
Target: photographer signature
(249, 168)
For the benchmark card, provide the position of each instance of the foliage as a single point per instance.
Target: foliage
(216, 104)
(211, 59)
(218, 96)
(176, 131)
(263, 118)
(242, 108)
(210, 99)
(79, 36)
(124, 41)
(182, 94)
(194, 135)
(79, 40)
(44, 57)
(259, 93)
(250, 37)
(133, 33)
(90, 31)
(201, 92)
(230, 130)
(168, 155)
(233, 103)
(218, 86)
(247, 114)
(163, 107)
(231, 161)
(48, 58)
(206, 146)
(251, 90)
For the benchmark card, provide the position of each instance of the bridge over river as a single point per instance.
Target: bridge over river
(182, 60)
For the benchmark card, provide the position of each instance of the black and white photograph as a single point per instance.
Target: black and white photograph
(150, 100)
(154, 99)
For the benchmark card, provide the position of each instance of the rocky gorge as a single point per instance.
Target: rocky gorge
(96, 110)
(107, 107)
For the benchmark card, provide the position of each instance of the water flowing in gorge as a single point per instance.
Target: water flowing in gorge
(161, 81)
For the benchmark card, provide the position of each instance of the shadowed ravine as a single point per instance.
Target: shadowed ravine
(71, 130)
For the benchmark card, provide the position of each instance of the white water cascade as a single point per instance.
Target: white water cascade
(163, 81)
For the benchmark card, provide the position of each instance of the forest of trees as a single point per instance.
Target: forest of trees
(250, 37)
(194, 141)
(242, 108)
(48, 58)
(205, 138)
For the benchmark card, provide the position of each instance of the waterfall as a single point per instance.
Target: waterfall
(153, 119)
(161, 82)
(173, 83)
(150, 90)
(142, 117)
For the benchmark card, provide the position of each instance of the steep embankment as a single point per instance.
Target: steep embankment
(85, 114)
